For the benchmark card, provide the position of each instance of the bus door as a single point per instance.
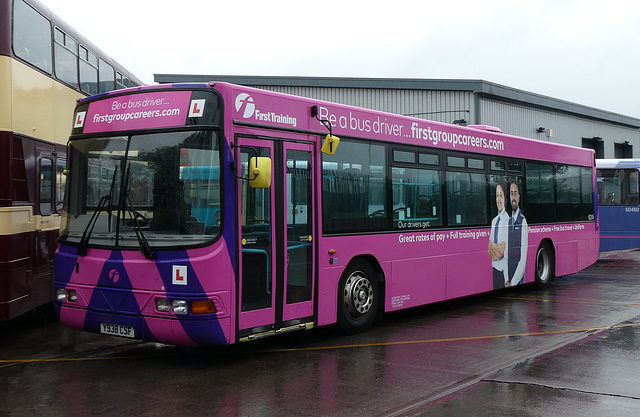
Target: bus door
(276, 247)
(47, 224)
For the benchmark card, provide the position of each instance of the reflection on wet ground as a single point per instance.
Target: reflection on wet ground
(568, 349)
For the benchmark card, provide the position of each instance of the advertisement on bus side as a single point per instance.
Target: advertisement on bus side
(283, 112)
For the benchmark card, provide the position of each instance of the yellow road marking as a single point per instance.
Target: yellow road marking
(571, 301)
(66, 359)
(361, 345)
(459, 339)
(406, 342)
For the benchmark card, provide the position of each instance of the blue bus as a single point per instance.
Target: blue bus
(619, 203)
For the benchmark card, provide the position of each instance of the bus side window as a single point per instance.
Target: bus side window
(32, 36)
(416, 194)
(66, 58)
(354, 184)
(633, 189)
(466, 199)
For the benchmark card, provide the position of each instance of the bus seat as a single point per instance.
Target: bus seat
(425, 206)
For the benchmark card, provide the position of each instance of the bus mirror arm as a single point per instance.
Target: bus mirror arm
(330, 143)
(259, 170)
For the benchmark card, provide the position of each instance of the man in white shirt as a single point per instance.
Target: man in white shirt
(518, 240)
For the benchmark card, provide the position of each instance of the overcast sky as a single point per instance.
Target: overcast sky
(582, 51)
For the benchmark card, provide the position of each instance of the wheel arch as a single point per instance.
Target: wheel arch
(545, 264)
(549, 242)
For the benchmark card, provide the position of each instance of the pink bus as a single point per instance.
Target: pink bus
(208, 214)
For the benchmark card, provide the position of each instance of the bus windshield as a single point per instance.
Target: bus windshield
(161, 188)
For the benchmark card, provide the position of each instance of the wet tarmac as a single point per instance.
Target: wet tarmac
(571, 349)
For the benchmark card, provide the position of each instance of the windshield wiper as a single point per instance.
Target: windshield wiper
(82, 246)
(145, 248)
(104, 200)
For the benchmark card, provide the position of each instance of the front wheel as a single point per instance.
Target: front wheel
(544, 266)
(358, 298)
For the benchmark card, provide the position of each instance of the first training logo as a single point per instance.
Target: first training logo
(245, 105)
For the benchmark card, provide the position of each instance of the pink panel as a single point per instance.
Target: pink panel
(141, 111)
(469, 273)
(417, 281)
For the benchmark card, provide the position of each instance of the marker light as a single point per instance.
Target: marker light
(162, 305)
(179, 306)
(203, 307)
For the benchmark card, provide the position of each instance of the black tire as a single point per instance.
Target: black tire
(545, 266)
(358, 298)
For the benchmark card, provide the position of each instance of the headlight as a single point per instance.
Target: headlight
(162, 305)
(66, 295)
(179, 306)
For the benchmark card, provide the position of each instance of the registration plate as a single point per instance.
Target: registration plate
(117, 330)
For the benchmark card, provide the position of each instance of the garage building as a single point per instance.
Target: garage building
(464, 102)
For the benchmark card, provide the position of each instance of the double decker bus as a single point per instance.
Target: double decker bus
(209, 214)
(45, 66)
(619, 203)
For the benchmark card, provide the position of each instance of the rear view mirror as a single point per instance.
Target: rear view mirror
(260, 172)
(330, 144)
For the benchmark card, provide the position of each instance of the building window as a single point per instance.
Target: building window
(623, 150)
(595, 143)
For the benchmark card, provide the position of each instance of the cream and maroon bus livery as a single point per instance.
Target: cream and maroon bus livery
(45, 66)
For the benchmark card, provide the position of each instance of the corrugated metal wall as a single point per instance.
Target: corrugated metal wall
(419, 103)
(566, 129)
(447, 106)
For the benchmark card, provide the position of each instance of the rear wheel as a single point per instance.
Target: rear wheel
(358, 298)
(545, 266)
